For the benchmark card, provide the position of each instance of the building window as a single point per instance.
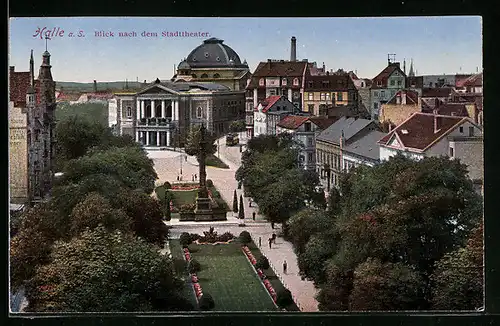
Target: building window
(382, 94)
(309, 141)
(206, 54)
(311, 96)
(310, 157)
(339, 96)
(471, 131)
(393, 82)
(461, 130)
(295, 82)
(399, 82)
(204, 76)
(129, 112)
(307, 126)
(261, 82)
(327, 96)
(375, 105)
(310, 107)
(322, 96)
(283, 82)
(452, 154)
(199, 112)
(375, 94)
(216, 76)
(379, 83)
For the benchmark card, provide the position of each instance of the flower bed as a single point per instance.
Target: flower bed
(262, 277)
(197, 290)
(187, 255)
(212, 243)
(194, 277)
(185, 188)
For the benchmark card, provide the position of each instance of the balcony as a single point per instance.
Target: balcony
(155, 122)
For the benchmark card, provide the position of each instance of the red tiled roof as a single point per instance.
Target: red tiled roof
(269, 102)
(353, 75)
(461, 79)
(411, 97)
(278, 69)
(456, 109)
(19, 84)
(68, 96)
(383, 76)
(419, 130)
(474, 80)
(437, 92)
(292, 121)
(322, 122)
(330, 82)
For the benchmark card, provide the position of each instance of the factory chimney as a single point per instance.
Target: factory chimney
(293, 52)
(95, 86)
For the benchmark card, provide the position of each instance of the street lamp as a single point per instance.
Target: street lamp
(328, 171)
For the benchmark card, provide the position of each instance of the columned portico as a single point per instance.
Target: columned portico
(163, 109)
(143, 111)
(153, 108)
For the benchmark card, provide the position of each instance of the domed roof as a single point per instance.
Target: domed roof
(184, 65)
(213, 53)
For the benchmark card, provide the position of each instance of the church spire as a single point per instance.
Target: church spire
(411, 73)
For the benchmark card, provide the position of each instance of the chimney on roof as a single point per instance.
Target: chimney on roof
(403, 98)
(95, 86)
(293, 51)
(437, 122)
(324, 68)
(404, 66)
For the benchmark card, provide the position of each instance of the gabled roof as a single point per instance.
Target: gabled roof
(19, 84)
(176, 87)
(366, 146)
(411, 97)
(292, 121)
(437, 92)
(384, 75)
(269, 102)
(278, 69)
(328, 82)
(456, 109)
(344, 127)
(68, 96)
(322, 122)
(474, 81)
(417, 132)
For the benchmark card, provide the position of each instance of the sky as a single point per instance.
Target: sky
(437, 45)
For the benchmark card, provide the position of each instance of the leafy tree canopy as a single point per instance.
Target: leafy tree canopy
(192, 146)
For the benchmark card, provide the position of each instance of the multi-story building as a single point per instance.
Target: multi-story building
(41, 105)
(269, 113)
(331, 141)
(398, 108)
(385, 85)
(304, 129)
(161, 114)
(329, 89)
(363, 150)
(363, 86)
(213, 61)
(426, 135)
(19, 83)
(276, 77)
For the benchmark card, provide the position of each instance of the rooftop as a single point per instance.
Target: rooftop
(344, 127)
(367, 145)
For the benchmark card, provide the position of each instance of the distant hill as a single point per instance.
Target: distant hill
(101, 86)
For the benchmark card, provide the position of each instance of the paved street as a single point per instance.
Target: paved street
(168, 166)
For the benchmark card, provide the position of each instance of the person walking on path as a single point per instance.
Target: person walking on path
(270, 241)
(195, 177)
(274, 238)
(192, 177)
(177, 178)
(253, 216)
(272, 225)
(260, 242)
(250, 202)
(284, 267)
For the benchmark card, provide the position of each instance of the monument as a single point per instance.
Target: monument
(203, 210)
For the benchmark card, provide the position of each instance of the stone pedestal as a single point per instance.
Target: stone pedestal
(203, 211)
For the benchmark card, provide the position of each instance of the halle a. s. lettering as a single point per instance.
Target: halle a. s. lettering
(49, 33)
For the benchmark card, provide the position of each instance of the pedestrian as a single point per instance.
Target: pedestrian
(192, 177)
(250, 202)
(180, 177)
(270, 241)
(260, 242)
(284, 267)
(274, 238)
(177, 178)
(272, 225)
(195, 177)
(186, 157)
(253, 216)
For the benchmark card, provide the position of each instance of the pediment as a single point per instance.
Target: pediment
(157, 89)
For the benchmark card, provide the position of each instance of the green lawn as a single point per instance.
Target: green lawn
(231, 280)
(214, 161)
(180, 268)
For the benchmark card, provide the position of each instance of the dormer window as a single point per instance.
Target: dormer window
(261, 82)
(218, 59)
(404, 132)
(216, 76)
(283, 81)
(206, 54)
(309, 84)
(379, 83)
(295, 82)
(204, 76)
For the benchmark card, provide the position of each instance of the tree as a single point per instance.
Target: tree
(235, 202)
(302, 225)
(262, 263)
(185, 239)
(192, 146)
(284, 298)
(194, 266)
(100, 271)
(130, 165)
(458, 277)
(206, 302)
(237, 126)
(96, 210)
(385, 286)
(241, 211)
(245, 237)
(317, 251)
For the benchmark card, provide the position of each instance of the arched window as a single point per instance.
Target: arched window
(148, 111)
(158, 111)
(199, 112)
(129, 112)
(261, 82)
(169, 111)
(295, 82)
(216, 76)
(193, 75)
(204, 76)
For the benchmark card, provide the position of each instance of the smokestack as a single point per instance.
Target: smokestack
(325, 70)
(404, 66)
(293, 51)
(95, 86)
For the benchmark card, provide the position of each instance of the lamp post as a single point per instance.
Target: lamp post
(328, 171)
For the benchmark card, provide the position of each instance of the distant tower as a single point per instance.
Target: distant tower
(41, 105)
(293, 51)
(411, 73)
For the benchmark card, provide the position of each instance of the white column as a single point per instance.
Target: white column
(168, 137)
(152, 108)
(290, 95)
(255, 104)
(137, 136)
(163, 115)
(143, 110)
(176, 110)
(147, 138)
(138, 109)
(157, 138)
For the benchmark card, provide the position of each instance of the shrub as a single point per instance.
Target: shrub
(284, 298)
(194, 266)
(210, 183)
(185, 239)
(262, 263)
(167, 185)
(225, 237)
(194, 236)
(235, 202)
(206, 302)
(245, 237)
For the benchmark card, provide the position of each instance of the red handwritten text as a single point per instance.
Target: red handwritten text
(49, 33)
